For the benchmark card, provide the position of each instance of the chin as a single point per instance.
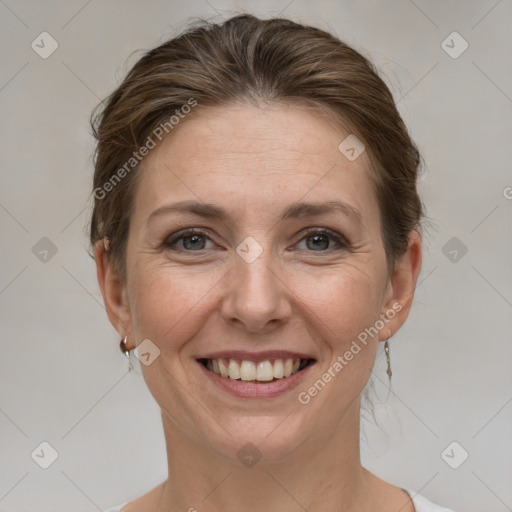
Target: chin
(262, 439)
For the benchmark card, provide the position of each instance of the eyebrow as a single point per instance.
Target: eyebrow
(293, 211)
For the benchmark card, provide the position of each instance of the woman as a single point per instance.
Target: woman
(256, 230)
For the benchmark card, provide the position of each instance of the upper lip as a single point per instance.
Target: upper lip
(256, 356)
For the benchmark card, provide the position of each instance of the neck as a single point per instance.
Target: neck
(323, 474)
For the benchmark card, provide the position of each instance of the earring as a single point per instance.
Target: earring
(125, 351)
(386, 350)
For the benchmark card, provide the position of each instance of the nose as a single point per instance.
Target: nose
(256, 298)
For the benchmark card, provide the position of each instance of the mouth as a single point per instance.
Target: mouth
(256, 370)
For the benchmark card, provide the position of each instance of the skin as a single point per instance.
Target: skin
(255, 161)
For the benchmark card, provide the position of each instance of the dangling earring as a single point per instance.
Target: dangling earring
(126, 352)
(386, 350)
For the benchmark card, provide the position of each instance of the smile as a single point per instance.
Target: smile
(256, 375)
(267, 370)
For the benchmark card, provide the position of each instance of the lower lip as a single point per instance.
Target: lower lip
(244, 389)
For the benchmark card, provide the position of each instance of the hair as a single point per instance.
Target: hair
(247, 59)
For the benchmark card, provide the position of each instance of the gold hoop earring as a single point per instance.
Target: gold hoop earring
(125, 351)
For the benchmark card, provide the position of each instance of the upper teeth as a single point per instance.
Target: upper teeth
(249, 370)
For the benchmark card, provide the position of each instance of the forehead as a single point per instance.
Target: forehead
(261, 157)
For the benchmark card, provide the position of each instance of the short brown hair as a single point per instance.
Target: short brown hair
(249, 59)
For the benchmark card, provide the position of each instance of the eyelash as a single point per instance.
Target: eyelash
(176, 237)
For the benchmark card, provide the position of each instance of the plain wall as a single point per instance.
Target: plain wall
(63, 379)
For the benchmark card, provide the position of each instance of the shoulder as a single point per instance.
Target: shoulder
(422, 504)
(117, 508)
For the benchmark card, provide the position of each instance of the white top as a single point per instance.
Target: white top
(421, 504)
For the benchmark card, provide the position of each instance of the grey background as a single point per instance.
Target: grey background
(62, 377)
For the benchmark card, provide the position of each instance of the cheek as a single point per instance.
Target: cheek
(343, 309)
(168, 303)
(341, 304)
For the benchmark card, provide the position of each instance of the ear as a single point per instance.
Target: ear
(114, 291)
(401, 287)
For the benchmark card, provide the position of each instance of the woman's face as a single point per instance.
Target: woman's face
(258, 284)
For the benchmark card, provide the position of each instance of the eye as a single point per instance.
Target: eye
(320, 239)
(193, 240)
